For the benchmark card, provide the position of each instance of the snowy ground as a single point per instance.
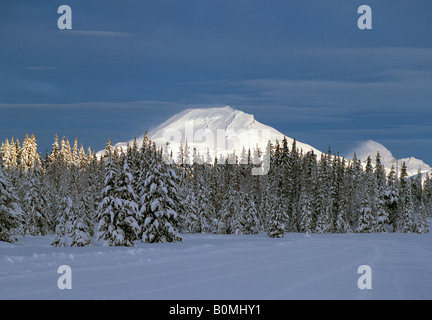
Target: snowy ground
(224, 267)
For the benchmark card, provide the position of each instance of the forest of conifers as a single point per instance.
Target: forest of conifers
(135, 194)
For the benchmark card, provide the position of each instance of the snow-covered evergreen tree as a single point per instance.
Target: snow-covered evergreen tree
(63, 227)
(34, 205)
(117, 212)
(161, 219)
(249, 220)
(427, 195)
(381, 209)
(81, 225)
(421, 223)
(11, 214)
(306, 214)
(276, 226)
(29, 158)
(324, 200)
(406, 215)
(74, 226)
(392, 198)
(366, 221)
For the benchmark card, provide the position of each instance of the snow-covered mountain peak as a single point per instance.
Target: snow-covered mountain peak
(371, 148)
(220, 131)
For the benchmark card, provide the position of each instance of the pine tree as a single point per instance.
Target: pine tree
(191, 220)
(382, 214)
(83, 160)
(249, 220)
(75, 154)
(353, 178)
(35, 204)
(74, 227)
(276, 226)
(63, 227)
(266, 205)
(10, 211)
(29, 158)
(417, 190)
(7, 154)
(422, 224)
(427, 195)
(127, 214)
(366, 222)
(406, 215)
(109, 150)
(391, 198)
(324, 200)
(55, 151)
(81, 224)
(306, 213)
(117, 223)
(161, 220)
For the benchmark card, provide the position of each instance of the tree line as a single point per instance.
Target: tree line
(141, 194)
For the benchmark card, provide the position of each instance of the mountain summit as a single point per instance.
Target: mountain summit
(370, 148)
(215, 132)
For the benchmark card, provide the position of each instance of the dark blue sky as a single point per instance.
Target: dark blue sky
(302, 67)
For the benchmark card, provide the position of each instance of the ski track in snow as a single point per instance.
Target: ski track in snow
(224, 267)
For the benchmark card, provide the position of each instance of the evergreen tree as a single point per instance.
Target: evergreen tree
(74, 227)
(324, 200)
(306, 213)
(422, 224)
(81, 224)
(116, 213)
(109, 150)
(249, 220)
(353, 178)
(406, 214)
(54, 154)
(427, 195)
(382, 215)
(192, 222)
(10, 211)
(161, 220)
(35, 204)
(391, 198)
(64, 227)
(366, 222)
(29, 158)
(276, 226)
(127, 212)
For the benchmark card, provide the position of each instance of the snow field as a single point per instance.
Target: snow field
(207, 266)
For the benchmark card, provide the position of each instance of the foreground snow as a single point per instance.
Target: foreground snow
(209, 266)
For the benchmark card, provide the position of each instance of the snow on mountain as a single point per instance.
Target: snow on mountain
(221, 131)
(224, 131)
(370, 148)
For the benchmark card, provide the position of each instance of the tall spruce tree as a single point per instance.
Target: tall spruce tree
(34, 204)
(161, 218)
(406, 214)
(116, 213)
(422, 223)
(11, 214)
(382, 215)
